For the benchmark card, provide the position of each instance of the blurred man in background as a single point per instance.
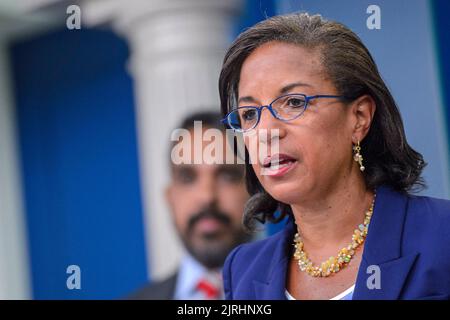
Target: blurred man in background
(206, 202)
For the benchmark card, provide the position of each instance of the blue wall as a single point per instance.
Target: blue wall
(254, 11)
(76, 122)
(441, 11)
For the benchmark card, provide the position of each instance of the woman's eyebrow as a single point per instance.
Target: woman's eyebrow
(291, 86)
(282, 91)
(247, 99)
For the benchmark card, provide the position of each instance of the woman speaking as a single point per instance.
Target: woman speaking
(343, 175)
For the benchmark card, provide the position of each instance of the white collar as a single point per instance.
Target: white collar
(190, 273)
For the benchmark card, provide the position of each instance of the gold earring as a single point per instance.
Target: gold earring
(358, 157)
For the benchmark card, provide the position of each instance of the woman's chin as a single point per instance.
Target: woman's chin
(285, 194)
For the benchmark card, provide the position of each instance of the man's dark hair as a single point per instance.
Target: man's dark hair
(389, 159)
(209, 119)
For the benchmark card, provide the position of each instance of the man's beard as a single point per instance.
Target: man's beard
(214, 246)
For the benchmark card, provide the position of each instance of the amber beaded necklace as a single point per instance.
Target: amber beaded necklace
(345, 255)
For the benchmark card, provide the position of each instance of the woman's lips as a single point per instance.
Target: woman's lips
(277, 165)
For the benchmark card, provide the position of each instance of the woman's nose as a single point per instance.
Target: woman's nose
(269, 127)
(266, 119)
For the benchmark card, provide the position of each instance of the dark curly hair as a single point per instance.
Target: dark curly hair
(389, 159)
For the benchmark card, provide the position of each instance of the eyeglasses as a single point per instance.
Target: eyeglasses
(285, 108)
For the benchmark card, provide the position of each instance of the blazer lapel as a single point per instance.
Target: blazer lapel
(382, 259)
(393, 275)
(274, 285)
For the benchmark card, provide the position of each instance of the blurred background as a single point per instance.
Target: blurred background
(86, 113)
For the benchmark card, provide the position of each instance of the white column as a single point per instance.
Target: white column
(14, 271)
(177, 48)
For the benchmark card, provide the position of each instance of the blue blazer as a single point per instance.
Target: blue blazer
(408, 239)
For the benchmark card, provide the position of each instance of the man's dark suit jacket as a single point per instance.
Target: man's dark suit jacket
(161, 290)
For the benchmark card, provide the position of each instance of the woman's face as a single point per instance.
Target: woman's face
(317, 145)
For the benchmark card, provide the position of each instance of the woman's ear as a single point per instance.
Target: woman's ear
(363, 110)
